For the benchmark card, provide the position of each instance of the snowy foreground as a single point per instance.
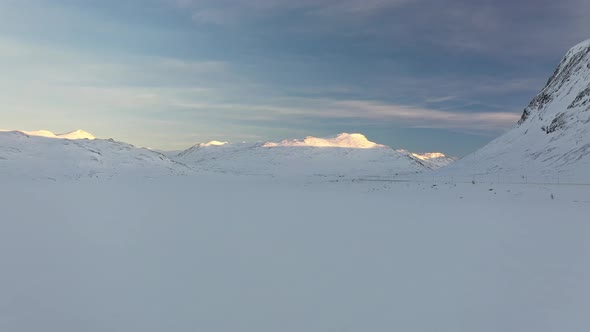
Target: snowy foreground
(212, 252)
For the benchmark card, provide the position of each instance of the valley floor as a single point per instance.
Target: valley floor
(227, 253)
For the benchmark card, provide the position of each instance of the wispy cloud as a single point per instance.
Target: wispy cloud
(440, 99)
(504, 28)
(404, 115)
(234, 12)
(429, 118)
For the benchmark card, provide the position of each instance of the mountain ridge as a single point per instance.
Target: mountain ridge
(552, 137)
(78, 155)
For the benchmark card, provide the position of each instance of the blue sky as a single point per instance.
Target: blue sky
(423, 75)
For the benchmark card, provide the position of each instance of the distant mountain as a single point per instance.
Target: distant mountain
(434, 160)
(343, 155)
(40, 155)
(73, 135)
(552, 138)
(213, 143)
(344, 140)
(77, 134)
(78, 155)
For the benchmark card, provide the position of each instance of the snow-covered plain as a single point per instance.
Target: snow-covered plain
(218, 252)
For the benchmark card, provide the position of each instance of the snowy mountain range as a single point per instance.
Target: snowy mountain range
(342, 155)
(43, 154)
(552, 138)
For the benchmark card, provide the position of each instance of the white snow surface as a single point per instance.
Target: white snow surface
(552, 140)
(220, 253)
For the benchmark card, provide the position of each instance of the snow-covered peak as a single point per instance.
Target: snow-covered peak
(76, 134)
(433, 160)
(579, 46)
(344, 140)
(73, 135)
(429, 155)
(567, 88)
(40, 133)
(552, 138)
(212, 143)
(342, 155)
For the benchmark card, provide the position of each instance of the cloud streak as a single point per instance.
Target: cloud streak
(416, 117)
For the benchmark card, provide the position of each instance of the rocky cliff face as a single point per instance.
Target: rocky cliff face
(552, 138)
(567, 89)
